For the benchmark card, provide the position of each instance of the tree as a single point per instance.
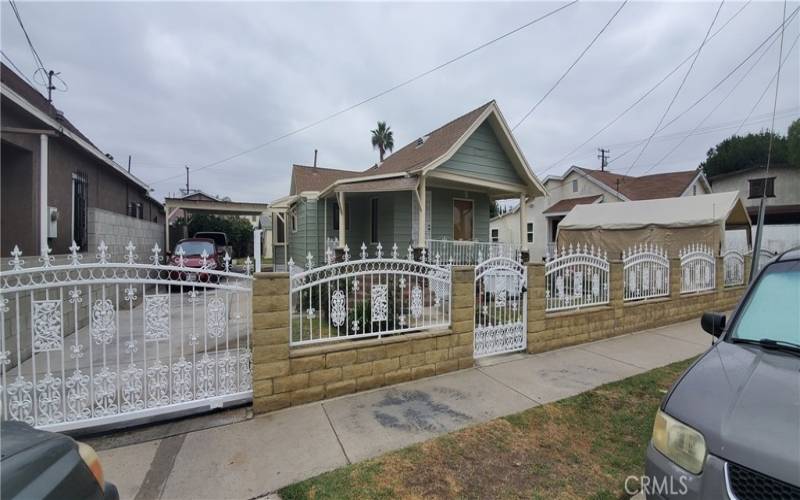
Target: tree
(382, 139)
(793, 143)
(239, 231)
(740, 152)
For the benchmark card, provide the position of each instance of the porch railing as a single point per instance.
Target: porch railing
(463, 253)
(367, 296)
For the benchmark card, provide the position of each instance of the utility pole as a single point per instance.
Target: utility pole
(603, 158)
(187, 180)
(50, 86)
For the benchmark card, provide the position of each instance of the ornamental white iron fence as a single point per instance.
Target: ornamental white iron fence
(698, 268)
(86, 344)
(733, 263)
(501, 307)
(470, 253)
(369, 296)
(576, 278)
(645, 272)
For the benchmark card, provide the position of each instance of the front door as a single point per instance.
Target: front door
(462, 220)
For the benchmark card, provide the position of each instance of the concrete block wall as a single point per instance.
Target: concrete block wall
(547, 331)
(117, 229)
(284, 376)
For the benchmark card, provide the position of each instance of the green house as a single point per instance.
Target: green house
(445, 179)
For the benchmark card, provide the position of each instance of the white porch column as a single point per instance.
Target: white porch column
(43, 215)
(422, 226)
(342, 219)
(523, 221)
(257, 248)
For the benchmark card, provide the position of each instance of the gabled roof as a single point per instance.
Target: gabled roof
(433, 149)
(568, 204)
(305, 178)
(646, 187)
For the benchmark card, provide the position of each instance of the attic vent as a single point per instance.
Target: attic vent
(422, 140)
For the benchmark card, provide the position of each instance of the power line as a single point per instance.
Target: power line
(643, 96)
(16, 68)
(36, 57)
(722, 102)
(575, 62)
(680, 87)
(715, 86)
(761, 207)
(380, 94)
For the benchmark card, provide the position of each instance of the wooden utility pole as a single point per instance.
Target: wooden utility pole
(603, 158)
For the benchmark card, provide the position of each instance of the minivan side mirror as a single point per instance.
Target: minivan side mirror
(713, 323)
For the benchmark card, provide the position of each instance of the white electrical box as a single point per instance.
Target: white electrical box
(52, 222)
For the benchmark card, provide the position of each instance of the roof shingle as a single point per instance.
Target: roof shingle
(646, 187)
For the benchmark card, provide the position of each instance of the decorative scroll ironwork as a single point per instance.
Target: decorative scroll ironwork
(698, 268)
(733, 264)
(645, 272)
(500, 307)
(370, 296)
(575, 278)
(86, 340)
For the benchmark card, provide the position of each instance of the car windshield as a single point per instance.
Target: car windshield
(195, 247)
(772, 309)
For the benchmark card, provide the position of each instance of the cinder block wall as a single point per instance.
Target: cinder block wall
(547, 331)
(284, 376)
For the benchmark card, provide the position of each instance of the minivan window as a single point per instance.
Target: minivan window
(771, 310)
(196, 247)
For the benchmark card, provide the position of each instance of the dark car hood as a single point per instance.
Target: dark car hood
(18, 437)
(746, 402)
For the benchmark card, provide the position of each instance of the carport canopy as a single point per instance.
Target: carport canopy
(672, 223)
(171, 205)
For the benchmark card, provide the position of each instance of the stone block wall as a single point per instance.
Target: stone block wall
(117, 229)
(284, 376)
(547, 331)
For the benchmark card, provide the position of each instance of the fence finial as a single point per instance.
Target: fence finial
(204, 259)
(379, 250)
(363, 250)
(103, 256)
(424, 254)
(16, 262)
(46, 259)
(309, 260)
(156, 258)
(346, 255)
(248, 266)
(438, 259)
(394, 250)
(227, 260)
(410, 252)
(180, 252)
(130, 256)
(74, 256)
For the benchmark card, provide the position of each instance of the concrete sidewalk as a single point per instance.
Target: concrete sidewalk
(255, 456)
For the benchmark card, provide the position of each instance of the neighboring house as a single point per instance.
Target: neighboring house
(58, 187)
(194, 195)
(782, 190)
(432, 193)
(581, 186)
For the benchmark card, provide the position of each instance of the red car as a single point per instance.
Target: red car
(192, 250)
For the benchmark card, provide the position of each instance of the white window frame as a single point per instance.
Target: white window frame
(293, 216)
(574, 185)
(529, 232)
(494, 235)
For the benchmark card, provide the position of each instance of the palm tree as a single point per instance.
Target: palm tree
(382, 139)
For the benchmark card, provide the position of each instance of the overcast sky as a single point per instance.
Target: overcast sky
(176, 84)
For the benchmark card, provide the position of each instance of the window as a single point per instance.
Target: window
(80, 208)
(335, 216)
(373, 229)
(135, 210)
(495, 235)
(575, 186)
(280, 229)
(764, 186)
(530, 232)
(462, 220)
(294, 221)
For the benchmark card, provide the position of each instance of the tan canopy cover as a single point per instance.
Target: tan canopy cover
(672, 223)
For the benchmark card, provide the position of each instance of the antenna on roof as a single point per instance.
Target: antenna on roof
(315, 158)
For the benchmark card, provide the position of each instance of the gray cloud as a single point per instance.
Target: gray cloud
(178, 84)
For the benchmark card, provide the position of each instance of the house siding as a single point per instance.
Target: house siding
(481, 156)
(442, 214)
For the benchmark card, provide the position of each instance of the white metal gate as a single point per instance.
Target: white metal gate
(501, 311)
(86, 344)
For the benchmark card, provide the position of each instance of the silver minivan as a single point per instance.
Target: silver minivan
(730, 425)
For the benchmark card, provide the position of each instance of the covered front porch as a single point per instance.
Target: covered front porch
(360, 216)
